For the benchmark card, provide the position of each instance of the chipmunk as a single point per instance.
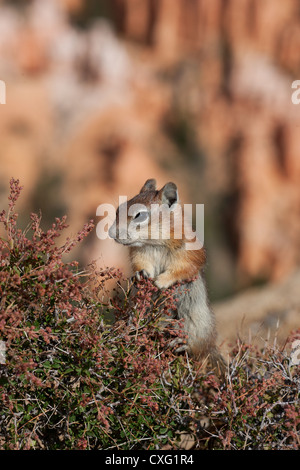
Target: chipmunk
(156, 252)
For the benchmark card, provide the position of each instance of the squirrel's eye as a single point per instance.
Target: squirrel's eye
(141, 216)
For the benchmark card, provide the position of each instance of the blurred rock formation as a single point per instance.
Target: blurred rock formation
(102, 95)
(264, 316)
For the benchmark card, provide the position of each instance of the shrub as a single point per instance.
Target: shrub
(258, 406)
(88, 369)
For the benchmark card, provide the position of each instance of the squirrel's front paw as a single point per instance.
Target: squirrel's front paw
(139, 275)
(163, 281)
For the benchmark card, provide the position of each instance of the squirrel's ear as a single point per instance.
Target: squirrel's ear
(150, 185)
(169, 194)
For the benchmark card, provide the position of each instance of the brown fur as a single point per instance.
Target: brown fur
(167, 261)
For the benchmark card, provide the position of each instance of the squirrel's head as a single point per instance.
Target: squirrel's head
(147, 218)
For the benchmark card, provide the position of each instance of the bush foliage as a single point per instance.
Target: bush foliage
(86, 368)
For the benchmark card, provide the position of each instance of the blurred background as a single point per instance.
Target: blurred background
(104, 94)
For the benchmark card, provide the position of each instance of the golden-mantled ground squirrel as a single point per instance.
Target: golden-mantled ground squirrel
(151, 225)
